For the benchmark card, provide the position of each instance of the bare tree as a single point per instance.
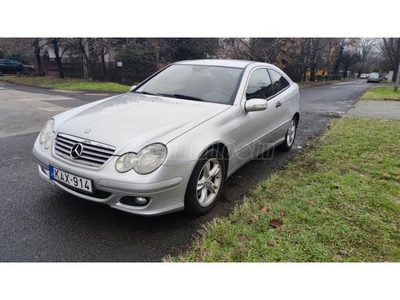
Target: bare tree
(365, 47)
(349, 58)
(91, 50)
(390, 49)
(56, 48)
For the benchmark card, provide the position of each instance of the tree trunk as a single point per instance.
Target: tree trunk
(345, 72)
(312, 73)
(396, 85)
(304, 76)
(83, 46)
(338, 60)
(38, 59)
(58, 59)
(103, 62)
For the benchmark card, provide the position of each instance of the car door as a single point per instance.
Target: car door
(282, 111)
(257, 125)
(16, 66)
(6, 66)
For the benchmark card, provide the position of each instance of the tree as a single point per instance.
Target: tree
(365, 47)
(139, 58)
(91, 50)
(175, 49)
(18, 48)
(56, 49)
(349, 58)
(37, 46)
(390, 49)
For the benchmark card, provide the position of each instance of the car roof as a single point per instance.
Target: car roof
(221, 63)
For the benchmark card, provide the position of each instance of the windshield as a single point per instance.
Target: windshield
(193, 82)
(374, 75)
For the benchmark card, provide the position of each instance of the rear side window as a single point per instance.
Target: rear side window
(260, 85)
(278, 81)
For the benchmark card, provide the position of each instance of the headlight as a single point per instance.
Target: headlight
(146, 161)
(47, 134)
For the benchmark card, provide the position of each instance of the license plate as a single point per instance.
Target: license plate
(71, 180)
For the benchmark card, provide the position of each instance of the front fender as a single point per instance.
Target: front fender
(223, 129)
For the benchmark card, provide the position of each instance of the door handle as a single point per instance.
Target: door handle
(278, 104)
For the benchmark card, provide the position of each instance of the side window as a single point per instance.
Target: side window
(278, 81)
(259, 85)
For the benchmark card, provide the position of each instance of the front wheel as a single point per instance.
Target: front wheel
(206, 183)
(290, 136)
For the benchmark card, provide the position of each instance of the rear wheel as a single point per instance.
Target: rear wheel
(290, 136)
(206, 183)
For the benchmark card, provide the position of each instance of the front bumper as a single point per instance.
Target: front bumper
(165, 187)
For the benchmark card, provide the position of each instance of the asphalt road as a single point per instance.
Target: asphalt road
(39, 222)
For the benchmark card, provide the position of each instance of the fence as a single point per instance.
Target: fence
(128, 73)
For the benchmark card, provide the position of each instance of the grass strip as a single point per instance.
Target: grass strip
(67, 84)
(338, 201)
(382, 93)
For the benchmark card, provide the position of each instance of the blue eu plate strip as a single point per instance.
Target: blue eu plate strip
(51, 169)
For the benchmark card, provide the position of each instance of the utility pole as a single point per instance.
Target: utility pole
(396, 85)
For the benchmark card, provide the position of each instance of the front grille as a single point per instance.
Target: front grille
(94, 154)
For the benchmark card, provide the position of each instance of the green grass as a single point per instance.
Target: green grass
(67, 84)
(381, 93)
(338, 201)
(308, 84)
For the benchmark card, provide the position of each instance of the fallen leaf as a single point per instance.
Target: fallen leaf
(275, 223)
(337, 257)
(265, 209)
(271, 243)
(343, 252)
(283, 213)
(242, 239)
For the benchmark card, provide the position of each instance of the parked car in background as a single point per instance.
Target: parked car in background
(9, 66)
(363, 76)
(171, 142)
(374, 77)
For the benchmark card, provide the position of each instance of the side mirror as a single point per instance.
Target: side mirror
(256, 104)
(133, 87)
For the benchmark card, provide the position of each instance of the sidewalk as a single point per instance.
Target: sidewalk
(376, 109)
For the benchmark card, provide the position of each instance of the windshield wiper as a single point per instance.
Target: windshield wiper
(180, 96)
(147, 93)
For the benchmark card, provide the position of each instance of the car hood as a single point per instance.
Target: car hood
(132, 121)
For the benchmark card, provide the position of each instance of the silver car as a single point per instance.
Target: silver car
(374, 77)
(171, 142)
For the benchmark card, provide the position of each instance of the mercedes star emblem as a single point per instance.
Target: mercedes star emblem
(76, 151)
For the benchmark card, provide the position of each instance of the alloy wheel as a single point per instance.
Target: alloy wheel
(209, 182)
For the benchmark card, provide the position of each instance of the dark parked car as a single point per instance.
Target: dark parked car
(9, 66)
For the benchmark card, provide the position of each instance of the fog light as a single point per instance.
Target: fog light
(135, 201)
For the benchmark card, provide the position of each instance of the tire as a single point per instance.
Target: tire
(201, 198)
(290, 136)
